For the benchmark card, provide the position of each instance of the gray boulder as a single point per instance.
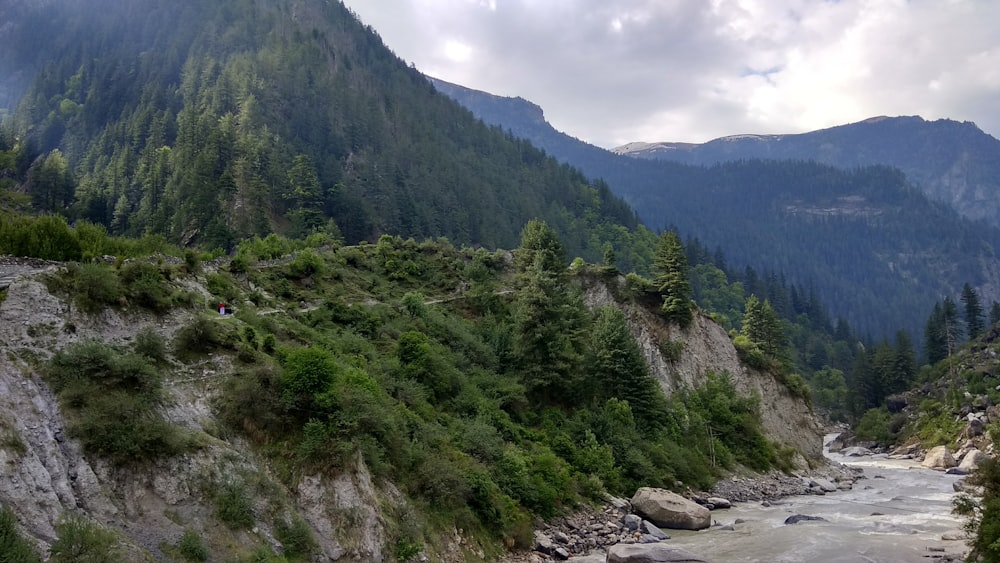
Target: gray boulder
(803, 518)
(651, 530)
(719, 502)
(856, 451)
(823, 485)
(651, 553)
(670, 510)
(632, 522)
(939, 458)
(971, 460)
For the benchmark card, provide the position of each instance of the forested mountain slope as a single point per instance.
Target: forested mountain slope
(952, 162)
(876, 250)
(208, 121)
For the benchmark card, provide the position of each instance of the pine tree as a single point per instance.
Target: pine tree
(973, 311)
(935, 345)
(994, 313)
(549, 319)
(763, 327)
(619, 370)
(672, 280)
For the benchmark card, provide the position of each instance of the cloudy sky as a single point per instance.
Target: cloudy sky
(614, 71)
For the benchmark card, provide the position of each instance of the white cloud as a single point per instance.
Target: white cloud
(691, 70)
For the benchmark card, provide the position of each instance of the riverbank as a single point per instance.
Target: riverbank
(867, 508)
(591, 530)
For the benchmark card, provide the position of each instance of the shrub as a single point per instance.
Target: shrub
(80, 540)
(309, 371)
(233, 507)
(221, 286)
(191, 547)
(149, 344)
(306, 263)
(146, 287)
(114, 398)
(13, 547)
(46, 236)
(296, 537)
(96, 286)
(672, 350)
(201, 335)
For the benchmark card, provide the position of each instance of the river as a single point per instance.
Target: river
(897, 514)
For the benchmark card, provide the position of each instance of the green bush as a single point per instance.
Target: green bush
(146, 287)
(13, 547)
(149, 344)
(296, 537)
(672, 350)
(874, 426)
(200, 336)
(46, 236)
(82, 541)
(114, 399)
(96, 286)
(233, 506)
(191, 547)
(306, 263)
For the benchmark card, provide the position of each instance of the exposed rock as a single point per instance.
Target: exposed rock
(670, 510)
(895, 403)
(823, 485)
(653, 531)
(971, 460)
(975, 428)
(719, 503)
(856, 451)
(632, 522)
(651, 553)
(939, 458)
(795, 519)
(785, 417)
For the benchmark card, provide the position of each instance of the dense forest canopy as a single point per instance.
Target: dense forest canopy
(208, 122)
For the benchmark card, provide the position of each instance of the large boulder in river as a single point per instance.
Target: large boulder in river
(651, 553)
(670, 510)
(939, 458)
(856, 451)
(971, 460)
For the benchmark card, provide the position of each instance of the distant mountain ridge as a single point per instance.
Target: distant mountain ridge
(951, 161)
(878, 251)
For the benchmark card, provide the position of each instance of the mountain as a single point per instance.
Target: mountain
(875, 248)
(953, 162)
(210, 121)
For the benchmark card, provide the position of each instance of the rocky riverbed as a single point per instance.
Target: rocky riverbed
(589, 533)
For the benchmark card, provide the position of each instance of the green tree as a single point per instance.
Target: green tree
(50, 182)
(935, 345)
(619, 370)
(672, 280)
(994, 313)
(983, 514)
(305, 191)
(763, 328)
(549, 318)
(973, 311)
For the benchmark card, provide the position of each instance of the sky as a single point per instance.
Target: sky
(615, 71)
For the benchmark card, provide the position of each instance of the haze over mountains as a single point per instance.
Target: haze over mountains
(872, 243)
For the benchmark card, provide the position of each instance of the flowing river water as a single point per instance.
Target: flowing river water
(898, 514)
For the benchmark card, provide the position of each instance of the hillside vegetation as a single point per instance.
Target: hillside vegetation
(476, 382)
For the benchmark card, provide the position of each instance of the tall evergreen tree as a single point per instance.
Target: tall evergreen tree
(671, 267)
(549, 321)
(763, 327)
(619, 370)
(994, 313)
(973, 311)
(935, 344)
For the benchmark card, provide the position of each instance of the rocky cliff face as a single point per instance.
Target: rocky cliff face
(46, 475)
(706, 348)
